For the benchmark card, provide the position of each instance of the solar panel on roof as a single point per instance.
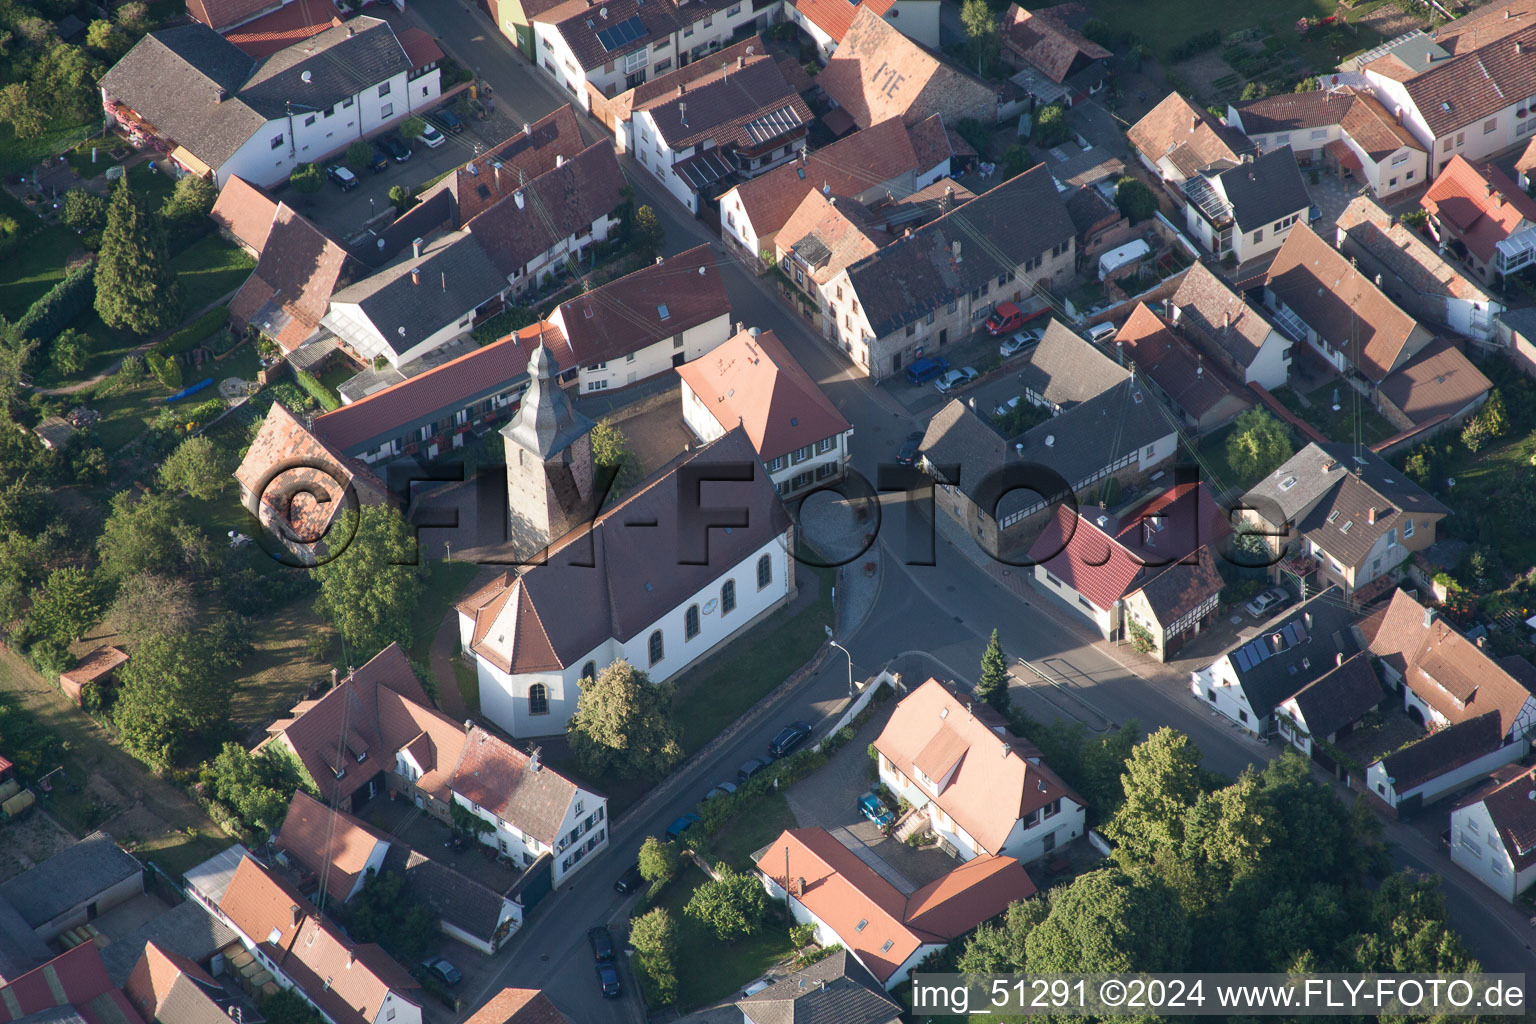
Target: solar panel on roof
(1241, 657)
(622, 34)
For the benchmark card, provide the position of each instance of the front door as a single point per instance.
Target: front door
(943, 335)
(677, 358)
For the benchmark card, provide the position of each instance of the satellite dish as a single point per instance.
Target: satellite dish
(306, 77)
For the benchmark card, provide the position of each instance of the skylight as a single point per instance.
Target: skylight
(863, 923)
(662, 311)
(1287, 483)
(1346, 526)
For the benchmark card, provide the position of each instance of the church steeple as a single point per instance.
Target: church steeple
(549, 461)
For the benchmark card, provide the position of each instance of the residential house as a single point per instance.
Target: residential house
(602, 50)
(296, 22)
(659, 601)
(1493, 832)
(289, 292)
(1247, 210)
(346, 982)
(836, 987)
(391, 738)
(168, 988)
(1483, 216)
(244, 214)
(434, 411)
(878, 73)
(826, 22)
(825, 236)
(98, 668)
(500, 171)
(938, 283)
(1076, 167)
(984, 791)
(1341, 518)
(74, 886)
(1230, 331)
(1254, 677)
(1412, 274)
(1062, 65)
(753, 382)
(824, 884)
(1148, 577)
(295, 485)
(1177, 140)
(1317, 296)
(219, 111)
(865, 166)
(1099, 223)
(185, 930)
(1479, 711)
(1159, 351)
(71, 987)
(466, 909)
(742, 121)
(518, 1006)
(647, 322)
(1327, 709)
(1437, 390)
(334, 848)
(1345, 129)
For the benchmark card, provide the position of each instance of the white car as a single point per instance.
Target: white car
(1019, 342)
(1007, 407)
(432, 137)
(956, 378)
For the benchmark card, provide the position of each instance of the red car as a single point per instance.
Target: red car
(1005, 318)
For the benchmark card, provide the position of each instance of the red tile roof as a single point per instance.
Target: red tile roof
(1171, 361)
(218, 14)
(75, 978)
(289, 24)
(834, 16)
(419, 46)
(1480, 205)
(518, 1006)
(534, 151)
(1513, 810)
(168, 988)
(1042, 39)
(1190, 138)
(506, 781)
(289, 292)
(845, 230)
(335, 846)
(736, 107)
(754, 381)
(245, 211)
(1438, 383)
(95, 665)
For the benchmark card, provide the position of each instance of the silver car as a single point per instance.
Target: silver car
(1019, 342)
(956, 379)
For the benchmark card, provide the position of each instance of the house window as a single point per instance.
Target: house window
(346, 103)
(596, 385)
(776, 465)
(727, 597)
(589, 670)
(1258, 236)
(538, 699)
(277, 140)
(1052, 580)
(1210, 695)
(1489, 125)
(384, 90)
(839, 291)
(309, 121)
(691, 622)
(825, 445)
(764, 572)
(1445, 147)
(1409, 176)
(657, 648)
(387, 110)
(1407, 529)
(863, 923)
(911, 329)
(1319, 134)
(800, 455)
(1085, 602)
(1242, 716)
(1283, 139)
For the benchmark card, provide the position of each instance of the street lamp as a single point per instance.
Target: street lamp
(845, 651)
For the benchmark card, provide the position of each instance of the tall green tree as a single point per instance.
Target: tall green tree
(1161, 783)
(187, 207)
(370, 590)
(257, 787)
(135, 288)
(1135, 199)
(140, 536)
(658, 860)
(992, 687)
(197, 468)
(999, 947)
(1259, 444)
(1111, 921)
(624, 724)
(732, 906)
(69, 604)
(384, 912)
(174, 689)
(646, 235)
(612, 453)
(654, 938)
(980, 32)
(17, 109)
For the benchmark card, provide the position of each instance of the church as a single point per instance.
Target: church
(692, 557)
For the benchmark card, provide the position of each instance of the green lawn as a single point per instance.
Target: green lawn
(127, 410)
(1163, 24)
(718, 692)
(1355, 413)
(752, 830)
(18, 155)
(446, 583)
(468, 681)
(80, 157)
(36, 263)
(708, 970)
(210, 269)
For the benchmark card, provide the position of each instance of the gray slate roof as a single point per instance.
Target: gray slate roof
(1340, 697)
(456, 276)
(1066, 369)
(1294, 652)
(545, 421)
(836, 990)
(186, 929)
(1266, 189)
(70, 878)
(457, 899)
(20, 948)
(996, 232)
(342, 61)
(1443, 751)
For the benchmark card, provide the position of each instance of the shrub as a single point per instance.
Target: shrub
(319, 392)
(1195, 44)
(358, 155)
(306, 179)
(59, 305)
(188, 337)
(132, 370)
(1415, 218)
(166, 371)
(511, 319)
(1051, 128)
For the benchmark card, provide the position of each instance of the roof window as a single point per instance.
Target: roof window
(662, 311)
(863, 923)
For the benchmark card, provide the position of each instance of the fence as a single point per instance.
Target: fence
(862, 701)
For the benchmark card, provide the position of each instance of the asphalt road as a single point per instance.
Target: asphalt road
(929, 619)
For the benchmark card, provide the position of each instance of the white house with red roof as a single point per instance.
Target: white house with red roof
(984, 791)
(827, 21)
(1490, 216)
(1493, 832)
(1150, 572)
(752, 381)
(889, 931)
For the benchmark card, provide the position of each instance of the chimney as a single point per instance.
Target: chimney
(741, 62)
(533, 760)
(559, 159)
(1338, 659)
(445, 280)
(1306, 619)
(1518, 47)
(527, 129)
(351, 30)
(682, 88)
(740, 327)
(351, 958)
(954, 248)
(1429, 617)
(1226, 320)
(1370, 515)
(517, 197)
(416, 248)
(335, 678)
(1194, 123)
(682, 113)
(660, 260)
(1050, 440)
(1429, 58)
(297, 914)
(415, 275)
(1177, 312)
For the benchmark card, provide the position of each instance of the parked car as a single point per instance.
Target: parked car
(1268, 602)
(924, 370)
(430, 136)
(449, 120)
(601, 943)
(724, 789)
(873, 808)
(680, 826)
(378, 160)
(443, 971)
(1103, 333)
(751, 768)
(630, 880)
(907, 456)
(1021, 341)
(343, 177)
(790, 737)
(608, 981)
(398, 149)
(956, 379)
(1005, 317)
(1007, 407)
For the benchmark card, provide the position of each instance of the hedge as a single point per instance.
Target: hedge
(166, 371)
(319, 392)
(60, 305)
(189, 336)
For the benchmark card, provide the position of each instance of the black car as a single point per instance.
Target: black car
(601, 943)
(396, 148)
(630, 880)
(751, 768)
(343, 177)
(788, 739)
(907, 456)
(378, 160)
(608, 981)
(443, 971)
